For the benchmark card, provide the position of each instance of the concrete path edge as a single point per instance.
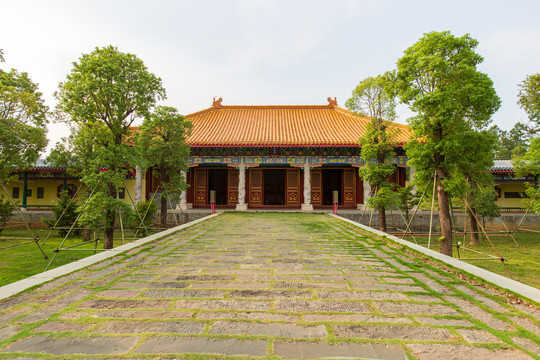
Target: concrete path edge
(516, 287)
(17, 287)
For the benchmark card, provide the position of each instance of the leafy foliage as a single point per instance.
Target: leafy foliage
(438, 78)
(105, 92)
(147, 210)
(65, 214)
(5, 212)
(23, 117)
(374, 97)
(510, 143)
(162, 145)
(529, 100)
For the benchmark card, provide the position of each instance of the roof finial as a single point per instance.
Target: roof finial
(332, 103)
(217, 103)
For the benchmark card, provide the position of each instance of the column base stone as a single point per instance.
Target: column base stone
(241, 207)
(307, 207)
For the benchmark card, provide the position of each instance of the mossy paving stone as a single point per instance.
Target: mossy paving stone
(305, 350)
(73, 345)
(460, 352)
(144, 314)
(136, 327)
(393, 332)
(282, 330)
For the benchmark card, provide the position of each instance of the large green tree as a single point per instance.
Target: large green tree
(23, 120)
(529, 100)
(107, 90)
(162, 145)
(374, 97)
(439, 79)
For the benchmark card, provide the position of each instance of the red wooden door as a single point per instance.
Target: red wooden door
(232, 187)
(293, 187)
(200, 187)
(255, 187)
(316, 187)
(349, 185)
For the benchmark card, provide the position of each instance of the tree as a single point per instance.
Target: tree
(472, 182)
(162, 144)
(439, 80)
(107, 90)
(23, 117)
(527, 165)
(373, 97)
(529, 100)
(515, 141)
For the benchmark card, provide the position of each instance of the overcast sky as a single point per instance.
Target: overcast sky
(266, 52)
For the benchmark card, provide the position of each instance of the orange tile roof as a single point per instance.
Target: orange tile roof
(280, 125)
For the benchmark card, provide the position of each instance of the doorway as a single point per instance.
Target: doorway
(331, 181)
(217, 181)
(274, 186)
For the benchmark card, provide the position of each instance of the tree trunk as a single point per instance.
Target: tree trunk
(163, 199)
(382, 219)
(444, 215)
(110, 216)
(474, 231)
(87, 234)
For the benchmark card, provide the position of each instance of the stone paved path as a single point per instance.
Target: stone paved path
(290, 286)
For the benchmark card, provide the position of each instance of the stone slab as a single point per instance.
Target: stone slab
(460, 352)
(73, 345)
(306, 350)
(319, 305)
(199, 345)
(222, 304)
(478, 336)
(281, 330)
(416, 309)
(137, 327)
(393, 332)
(355, 318)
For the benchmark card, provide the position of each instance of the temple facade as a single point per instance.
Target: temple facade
(293, 157)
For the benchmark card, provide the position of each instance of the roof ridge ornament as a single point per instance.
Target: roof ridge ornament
(332, 103)
(217, 103)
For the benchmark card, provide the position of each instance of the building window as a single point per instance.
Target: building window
(40, 192)
(121, 193)
(514, 195)
(28, 192)
(15, 193)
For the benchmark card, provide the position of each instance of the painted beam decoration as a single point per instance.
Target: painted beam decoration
(296, 161)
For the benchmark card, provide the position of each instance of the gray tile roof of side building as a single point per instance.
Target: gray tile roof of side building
(502, 165)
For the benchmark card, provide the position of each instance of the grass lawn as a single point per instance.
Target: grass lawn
(20, 262)
(523, 262)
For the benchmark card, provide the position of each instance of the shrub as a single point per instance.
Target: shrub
(65, 214)
(147, 210)
(5, 212)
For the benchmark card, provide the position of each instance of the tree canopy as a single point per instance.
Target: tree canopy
(105, 92)
(374, 97)
(529, 100)
(438, 78)
(23, 119)
(162, 145)
(512, 142)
